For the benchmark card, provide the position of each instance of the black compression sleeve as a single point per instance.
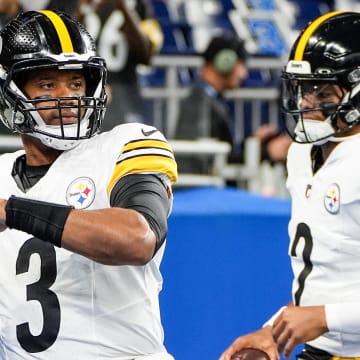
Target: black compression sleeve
(146, 194)
(44, 220)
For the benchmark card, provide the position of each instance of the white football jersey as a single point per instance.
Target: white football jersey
(55, 304)
(325, 235)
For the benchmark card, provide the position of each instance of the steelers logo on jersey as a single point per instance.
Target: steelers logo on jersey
(332, 199)
(81, 193)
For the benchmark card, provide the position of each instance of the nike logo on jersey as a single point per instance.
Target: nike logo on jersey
(148, 133)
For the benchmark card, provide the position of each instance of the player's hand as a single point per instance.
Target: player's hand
(297, 325)
(277, 148)
(261, 339)
(2, 215)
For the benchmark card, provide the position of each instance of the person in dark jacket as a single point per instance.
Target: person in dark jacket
(204, 112)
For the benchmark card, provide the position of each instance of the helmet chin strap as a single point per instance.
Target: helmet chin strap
(318, 132)
(314, 131)
(48, 134)
(58, 144)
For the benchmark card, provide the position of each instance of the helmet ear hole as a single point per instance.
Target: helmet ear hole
(349, 112)
(351, 116)
(224, 61)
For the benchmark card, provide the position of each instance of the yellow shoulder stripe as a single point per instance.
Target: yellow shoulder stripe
(145, 156)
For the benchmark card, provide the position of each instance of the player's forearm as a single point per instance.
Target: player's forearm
(139, 43)
(114, 236)
(110, 236)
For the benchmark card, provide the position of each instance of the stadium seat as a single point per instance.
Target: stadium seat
(161, 11)
(266, 5)
(270, 41)
(176, 39)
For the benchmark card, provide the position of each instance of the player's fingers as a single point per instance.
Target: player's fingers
(277, 329)
(282, 340)
(289, 347)
(226, 355)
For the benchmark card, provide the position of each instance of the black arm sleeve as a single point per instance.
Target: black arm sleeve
(146, 194)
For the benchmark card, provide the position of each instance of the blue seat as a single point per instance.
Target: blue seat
(269, 40)
(264, 5)
(176, 39)
(161, 11)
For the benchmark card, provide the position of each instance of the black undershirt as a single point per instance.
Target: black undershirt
(26, 176)
(316, 158)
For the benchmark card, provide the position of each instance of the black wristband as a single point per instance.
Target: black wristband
(42, 219)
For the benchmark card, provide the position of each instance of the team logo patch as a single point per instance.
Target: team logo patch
(81, 193)
(332, 199)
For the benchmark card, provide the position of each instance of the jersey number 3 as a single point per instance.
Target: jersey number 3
(40, 291)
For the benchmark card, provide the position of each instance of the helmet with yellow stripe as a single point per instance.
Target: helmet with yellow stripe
(47, 39)
(324, 66)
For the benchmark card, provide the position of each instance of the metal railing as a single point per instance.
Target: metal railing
(166, 98)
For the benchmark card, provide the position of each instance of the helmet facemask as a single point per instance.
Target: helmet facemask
(21, 114)
(314, 105)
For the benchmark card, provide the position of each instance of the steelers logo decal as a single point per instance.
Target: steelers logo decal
(332, 199)
(81, 193)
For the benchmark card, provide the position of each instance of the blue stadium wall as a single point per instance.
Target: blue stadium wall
(226, 269)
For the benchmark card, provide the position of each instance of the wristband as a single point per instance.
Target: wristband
(42, 219)
(270, 322)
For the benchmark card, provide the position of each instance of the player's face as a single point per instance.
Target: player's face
(317, 96)
(53, 83)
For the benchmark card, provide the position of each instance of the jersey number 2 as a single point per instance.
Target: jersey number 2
(40, 291)
(303, 232)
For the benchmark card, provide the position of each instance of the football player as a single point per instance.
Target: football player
(321, 97)
(83, 215)
(127, 35)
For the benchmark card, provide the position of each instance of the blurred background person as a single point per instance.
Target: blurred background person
(8, 10)
(127, 34)
(204, 113)
(274, 143)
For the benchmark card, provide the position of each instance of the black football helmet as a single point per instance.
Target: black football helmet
(50, 39)
(325, 55)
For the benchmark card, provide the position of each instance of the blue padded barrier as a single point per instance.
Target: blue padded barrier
(226, 268)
